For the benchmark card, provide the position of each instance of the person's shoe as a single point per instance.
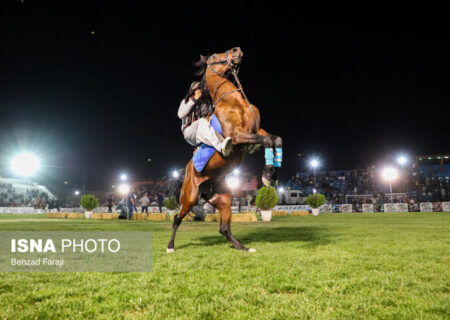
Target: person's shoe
(225, 146)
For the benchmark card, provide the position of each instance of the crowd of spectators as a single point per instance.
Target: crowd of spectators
(10, 197)
(146, 193)
(413, 184)
(154, 189)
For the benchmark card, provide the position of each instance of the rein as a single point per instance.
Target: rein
(234, 72)
(240, 89)
(221, 75)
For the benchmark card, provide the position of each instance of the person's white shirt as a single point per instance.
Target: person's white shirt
(144, 201)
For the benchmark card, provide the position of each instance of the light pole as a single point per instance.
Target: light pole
(232, 182)
(390, 174)
(314, 164)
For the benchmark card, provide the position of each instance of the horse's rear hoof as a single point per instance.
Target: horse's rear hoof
(170, 250)
(251, 250)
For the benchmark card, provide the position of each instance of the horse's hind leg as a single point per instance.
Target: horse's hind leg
(223, 204)
(188, 198)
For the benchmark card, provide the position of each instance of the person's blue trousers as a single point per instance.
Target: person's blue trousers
(130, 212)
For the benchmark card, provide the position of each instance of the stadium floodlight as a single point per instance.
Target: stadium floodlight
(175, 174)
(390, 174)
(401, 160)
(124, 188)
(25, 164)
(236, 171)
(314, 163)
(123, 177)
(233, 182)
(77, 193)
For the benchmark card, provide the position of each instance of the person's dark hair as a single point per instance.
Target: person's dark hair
(201, 64)
(194, 86)
(202, 86)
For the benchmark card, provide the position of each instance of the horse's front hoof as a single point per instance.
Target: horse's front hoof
(251, 250)
(170, 250)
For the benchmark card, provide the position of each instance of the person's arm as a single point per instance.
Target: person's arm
(185, 107)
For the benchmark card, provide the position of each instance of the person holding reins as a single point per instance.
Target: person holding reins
(193, 110)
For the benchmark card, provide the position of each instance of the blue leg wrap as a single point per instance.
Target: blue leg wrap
(278, 157)
(269, 156)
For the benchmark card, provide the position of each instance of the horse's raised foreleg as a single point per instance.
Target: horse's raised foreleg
(222, 201)
(188, 198)
(273, 159)
(271, 143)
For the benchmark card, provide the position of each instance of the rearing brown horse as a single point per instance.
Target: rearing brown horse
(241, 121)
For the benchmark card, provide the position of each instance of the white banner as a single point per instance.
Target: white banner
(15, 210)
(426, 207)
(446, 206)
(290, 208)
(396, 207)
(347, 208)
(326, 208)
(401, 207)
(79, 209)
(389, 207)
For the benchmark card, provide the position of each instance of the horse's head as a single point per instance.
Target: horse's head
(221, 63)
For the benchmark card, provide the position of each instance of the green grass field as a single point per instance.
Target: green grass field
(335, 266)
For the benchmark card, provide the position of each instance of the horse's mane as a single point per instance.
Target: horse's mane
(201, 64)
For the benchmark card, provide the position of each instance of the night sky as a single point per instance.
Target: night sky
(94, 89)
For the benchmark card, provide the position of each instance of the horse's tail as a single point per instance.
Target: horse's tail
(175, 185)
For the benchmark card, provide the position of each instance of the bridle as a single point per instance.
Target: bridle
(224, 75)
(221, 75)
